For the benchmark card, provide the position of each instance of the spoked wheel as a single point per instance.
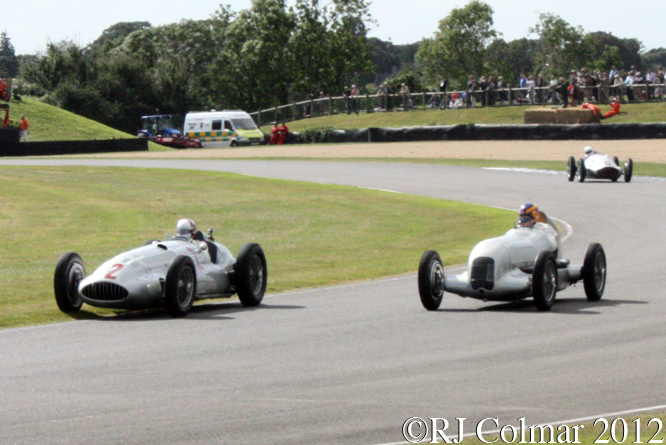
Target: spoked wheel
(571, 168)
(431, 280)
(544, 281)
(594, 272)
(180, 286)
(628, 170)
(69, 272)
(251, 275)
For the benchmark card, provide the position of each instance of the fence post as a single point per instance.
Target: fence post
(330, 106)
(367, 103)
(275, 114)
(423, 100)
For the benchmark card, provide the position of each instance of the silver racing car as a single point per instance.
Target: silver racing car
(597, 165)
(520, 264)
(171, 274)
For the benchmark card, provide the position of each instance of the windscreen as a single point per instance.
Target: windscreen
(244, 124)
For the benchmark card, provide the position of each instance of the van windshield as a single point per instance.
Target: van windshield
(244, 124)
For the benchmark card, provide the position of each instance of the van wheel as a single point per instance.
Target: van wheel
(234, 143)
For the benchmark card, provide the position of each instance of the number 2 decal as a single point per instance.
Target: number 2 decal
(114, 269)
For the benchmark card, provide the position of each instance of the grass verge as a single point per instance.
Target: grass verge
(313, 235)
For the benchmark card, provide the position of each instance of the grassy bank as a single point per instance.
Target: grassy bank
(313, 235)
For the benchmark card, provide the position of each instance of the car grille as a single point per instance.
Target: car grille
(483, 273)
(104, 291)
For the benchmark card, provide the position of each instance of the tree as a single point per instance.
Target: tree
(609, 50)
(655, 57)
(512, 58)
(458, 48)
(115, 34)
(562, 47)
(9, 64)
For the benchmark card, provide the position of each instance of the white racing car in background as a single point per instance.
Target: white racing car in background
(520, 264)
(171, 274)
(598, 166)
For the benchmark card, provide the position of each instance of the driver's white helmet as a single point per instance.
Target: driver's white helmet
(587, 150)
(186, 227)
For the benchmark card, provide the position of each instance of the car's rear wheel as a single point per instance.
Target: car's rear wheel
(544, 281)
(69, 272)
(581, 170)
(628, 170)
(180, 286)
(251, 275)
(431, 280)
(571, 168)
(594, 272)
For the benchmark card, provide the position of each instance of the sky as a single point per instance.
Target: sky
(31, 24)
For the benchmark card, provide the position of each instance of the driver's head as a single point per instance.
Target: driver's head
(528, 215)
(587, 150)
(186, 228)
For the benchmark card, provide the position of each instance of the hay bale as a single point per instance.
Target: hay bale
(563, 116)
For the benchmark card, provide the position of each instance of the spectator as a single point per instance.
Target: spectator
(406, 96)
(443, 86)
(540, 84)
(604, 88)
(491, 91)
(650, 80)
(282, 131)
(659, 89)
(639, 81)
(346, 93)
(483, 86)
(522, 83)
(501, 85)
(530, 84)
(307, 109)
(629, 85)
(275, 134)
(23, 128)
(4, 93)
(562, 89)
(471, 87)
(618, 87)
(613, 72)
(354, 99)
(322, 103)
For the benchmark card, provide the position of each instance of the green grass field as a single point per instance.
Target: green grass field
(313, 235)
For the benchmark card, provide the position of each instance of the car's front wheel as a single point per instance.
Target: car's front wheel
(544, 281)
(594, 272)
(251, 275)
(628, 170)
(180, 286)
(431, 280)
(581, 170)
(69, 272)
(571, 168)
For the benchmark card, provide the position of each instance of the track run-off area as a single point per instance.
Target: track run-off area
(350, 364)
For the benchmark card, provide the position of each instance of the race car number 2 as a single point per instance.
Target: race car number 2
(618, 430)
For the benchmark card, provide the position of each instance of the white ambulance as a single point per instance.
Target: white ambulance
(227, 128)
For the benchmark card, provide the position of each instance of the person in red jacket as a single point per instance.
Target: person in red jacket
(615, 109)
(283, 131)
(4, 94)
(23, 128)
(274, 134)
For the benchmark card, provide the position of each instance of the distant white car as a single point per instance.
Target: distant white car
(520, 264)
(599, 166)
(171, 274)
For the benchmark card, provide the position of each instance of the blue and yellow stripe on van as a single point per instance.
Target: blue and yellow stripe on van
(212, 136)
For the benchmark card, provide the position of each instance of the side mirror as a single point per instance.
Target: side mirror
(210, 234)
(203, 246)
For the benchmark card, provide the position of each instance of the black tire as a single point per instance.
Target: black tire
(544, 281)
(581, 171)
(180, 286)
(571, 168)
(69, 272)
(431, 280)
(251, 275)
(594, 272)
(149, 242)
(234, 143)
(628, 170)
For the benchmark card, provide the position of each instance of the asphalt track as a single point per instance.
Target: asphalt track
(350, 364)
